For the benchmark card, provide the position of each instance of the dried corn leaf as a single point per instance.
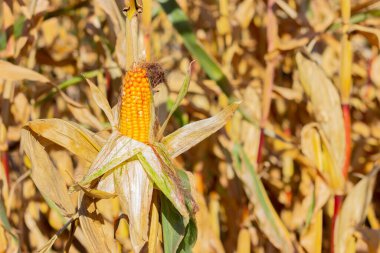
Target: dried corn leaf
(326, 106)
(112, 10)
(45, 175)
(69, 135)
(190, 135)
(315, 146)
(97, 231)
(349, 218)
(269, 221)
(101, 101)
(13, 72)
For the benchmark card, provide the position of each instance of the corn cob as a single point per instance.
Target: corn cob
(135, 107)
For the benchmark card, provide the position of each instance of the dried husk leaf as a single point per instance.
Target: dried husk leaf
(101, 101)
(69, 135)
(349, 218)
(188, 136)
(45, 175)
(13, 72)
(135, 194)
(98, 234)
(326, 106)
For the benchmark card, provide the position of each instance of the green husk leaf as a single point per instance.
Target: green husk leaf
(173, 225)
(188, 136)
(190, 238)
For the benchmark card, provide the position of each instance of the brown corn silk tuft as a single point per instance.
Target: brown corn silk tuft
(135, 107)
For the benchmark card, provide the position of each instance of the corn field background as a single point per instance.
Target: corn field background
(263, 130)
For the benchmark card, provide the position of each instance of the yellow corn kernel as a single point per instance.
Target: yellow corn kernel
(135, 115)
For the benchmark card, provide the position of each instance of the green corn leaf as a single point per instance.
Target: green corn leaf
(3, 40)
(182, 24)
(18, 26)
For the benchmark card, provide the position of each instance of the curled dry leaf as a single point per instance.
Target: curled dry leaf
(190, 135)
(45, 175)
(349, 218)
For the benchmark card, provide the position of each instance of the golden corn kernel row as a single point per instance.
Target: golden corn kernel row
(134, 118)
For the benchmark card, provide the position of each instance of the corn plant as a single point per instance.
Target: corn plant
(131, 163)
